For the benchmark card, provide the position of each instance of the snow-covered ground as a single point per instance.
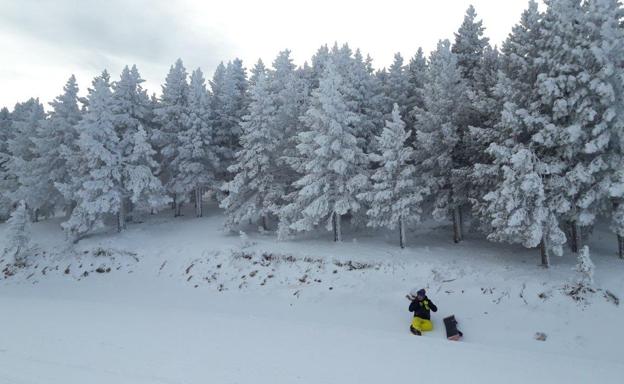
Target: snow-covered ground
(179, 301)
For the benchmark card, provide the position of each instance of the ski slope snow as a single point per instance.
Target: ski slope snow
(180, 301)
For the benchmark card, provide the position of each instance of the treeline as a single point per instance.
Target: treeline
(526, 140)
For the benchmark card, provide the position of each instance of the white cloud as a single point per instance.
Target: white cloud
(43, 42)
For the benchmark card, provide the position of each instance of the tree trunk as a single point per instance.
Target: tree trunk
(121, 216)
(544, 254)
(461, 222)
(620, 239)
(199, 209)
(36, 218)
(265, 223)
(401, 232)
(174, 203)
(178, 209)
(575, 240)
(337, 227)
(129, 210)
(457, 231)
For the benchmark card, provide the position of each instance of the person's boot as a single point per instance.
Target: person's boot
(415, 331)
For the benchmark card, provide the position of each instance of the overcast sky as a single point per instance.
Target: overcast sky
(42, 42)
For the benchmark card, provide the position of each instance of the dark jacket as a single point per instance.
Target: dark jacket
(421, 308)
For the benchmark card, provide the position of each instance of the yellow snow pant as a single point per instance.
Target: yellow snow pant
(422, 325)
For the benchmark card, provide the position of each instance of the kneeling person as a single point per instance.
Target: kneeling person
(421, 306)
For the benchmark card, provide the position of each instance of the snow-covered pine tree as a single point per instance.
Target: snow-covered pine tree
(7, 181)
(97, 186)
(396, 195)
(607, 48)
(438, 139)
(364, 95)
(517, 208)
(397, 86)
(258, 70)
(56, 145)
(469, 46)
(416, 72)
(514, 86)
(574, 116)
(478, 64)
(229, 105)
(17, 242)
(289, 91)
(131, 113)
(172, 116)
(333, 162)
(202, 166)
(253, 193)
(26, 119)
(488, 105)
(145, 190)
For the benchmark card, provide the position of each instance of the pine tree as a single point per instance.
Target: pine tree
(56, 144)
(202, 165)
(469, 46)
(514, 87)
(396, 195)
(519, 207)
(290, 94)
(97, 186)
(573, 116)
(131, 114)
(438, 138)
(607, 49)
(17, 243)
(22, 165)
(253, 193)
(7, 180)
(172, 115)
(416, 72)
(397, 86)
(229, 105)
(333, 163)
(478, 64)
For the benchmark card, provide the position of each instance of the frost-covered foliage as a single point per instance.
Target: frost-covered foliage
(438, 130)
(263, 176)
(397, 86)
(517, 207)
(199, 165)
(478, 63)
(22, 164)
(585, 267)
(96, 187)
(396, 194)
(333, 163)
(56, 144)
(172, 116)
(416, 73)
(116, 159)
(190, 160)
(254, 193)
(228, 106)
(141, 188)
(17, 240)
(529, 137)
(7, 180)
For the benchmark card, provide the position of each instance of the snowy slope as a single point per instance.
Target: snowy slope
(183, 302)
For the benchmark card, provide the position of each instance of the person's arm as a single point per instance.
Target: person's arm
(433, 306)
(412, 307)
